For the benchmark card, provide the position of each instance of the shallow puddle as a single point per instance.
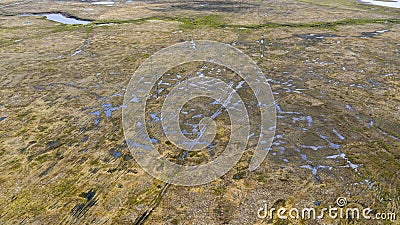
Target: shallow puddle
(373, 34)
(314, 37)
(106, 3)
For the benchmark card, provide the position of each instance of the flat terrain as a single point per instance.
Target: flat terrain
(334, 69)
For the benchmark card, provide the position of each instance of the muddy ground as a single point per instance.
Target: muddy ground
(333, 67)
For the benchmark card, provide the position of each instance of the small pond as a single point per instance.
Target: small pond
(60, 18)
(392, 4)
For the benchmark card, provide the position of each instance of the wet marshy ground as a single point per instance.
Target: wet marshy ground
(63, 154)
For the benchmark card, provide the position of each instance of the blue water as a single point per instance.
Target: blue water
(60, 18)
(392, 4)
(115, 153)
